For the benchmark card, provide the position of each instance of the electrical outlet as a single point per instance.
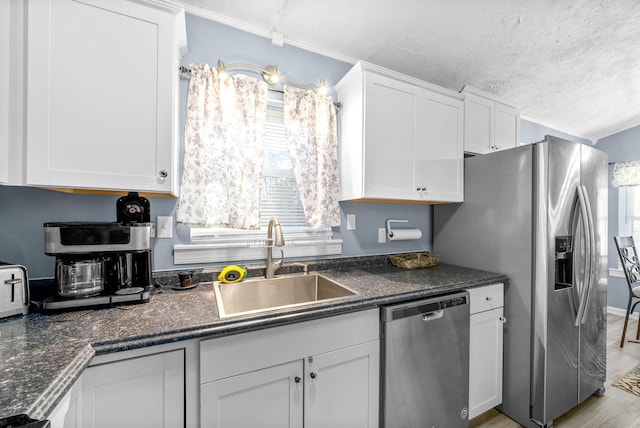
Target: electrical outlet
(164, 228)
(382, 235)
(351, 222)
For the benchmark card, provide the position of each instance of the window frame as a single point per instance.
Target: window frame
(213, 245)
(625, 224)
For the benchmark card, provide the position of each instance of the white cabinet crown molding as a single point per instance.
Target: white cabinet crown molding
(362, 66)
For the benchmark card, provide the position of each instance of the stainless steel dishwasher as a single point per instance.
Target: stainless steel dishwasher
(425, 356)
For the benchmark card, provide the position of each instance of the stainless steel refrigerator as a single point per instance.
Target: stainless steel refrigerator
(538, 213)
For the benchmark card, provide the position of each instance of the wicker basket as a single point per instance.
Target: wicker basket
(414, 260)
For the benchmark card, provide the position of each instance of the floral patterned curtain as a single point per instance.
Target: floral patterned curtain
(224, 132)
(310, 121)
(626, 174)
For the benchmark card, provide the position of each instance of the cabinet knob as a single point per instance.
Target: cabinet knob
(297, 379)
(503, 320)
(163, 173)
(489, 298)
(312, 375)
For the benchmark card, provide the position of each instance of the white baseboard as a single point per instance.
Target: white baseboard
(621, 312)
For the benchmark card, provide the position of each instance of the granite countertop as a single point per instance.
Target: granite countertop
(41, 355)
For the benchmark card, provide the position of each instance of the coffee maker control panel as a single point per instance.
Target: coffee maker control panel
(88, 237)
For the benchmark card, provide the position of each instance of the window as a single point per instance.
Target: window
(279, 194)
(279, 197)
(629, 212)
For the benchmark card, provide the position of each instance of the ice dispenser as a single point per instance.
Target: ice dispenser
(564, 262)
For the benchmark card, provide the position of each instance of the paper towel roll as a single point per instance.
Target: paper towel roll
(405, 234)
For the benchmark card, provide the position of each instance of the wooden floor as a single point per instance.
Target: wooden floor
(615, 409)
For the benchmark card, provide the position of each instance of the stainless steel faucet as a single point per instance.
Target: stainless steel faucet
(278, 241)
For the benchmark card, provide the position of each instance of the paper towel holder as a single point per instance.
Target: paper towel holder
(389, 230)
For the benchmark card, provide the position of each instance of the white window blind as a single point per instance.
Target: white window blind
(279, 194)
(279, 197)
(629, 212)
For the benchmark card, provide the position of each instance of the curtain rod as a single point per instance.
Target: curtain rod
(268, 74)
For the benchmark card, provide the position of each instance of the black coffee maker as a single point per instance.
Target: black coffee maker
(103, 263)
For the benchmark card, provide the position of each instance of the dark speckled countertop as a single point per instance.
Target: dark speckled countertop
(41, 355)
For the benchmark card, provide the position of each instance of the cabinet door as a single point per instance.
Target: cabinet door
(100, 92)
(270, 397)
(485, 361)
(341, 387)
(439, 149)
(478, 124)
(389, 138)
(139, 392)
(73, 416)
(507, 127)
(6, 27)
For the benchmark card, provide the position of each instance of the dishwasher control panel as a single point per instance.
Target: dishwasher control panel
(416, 308)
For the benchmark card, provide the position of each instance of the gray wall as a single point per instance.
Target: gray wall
(531, 132)
(23, 210)
(621, 147)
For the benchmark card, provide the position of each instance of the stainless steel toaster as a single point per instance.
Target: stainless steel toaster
(14, 290)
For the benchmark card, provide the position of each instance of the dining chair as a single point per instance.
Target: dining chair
(631, 267)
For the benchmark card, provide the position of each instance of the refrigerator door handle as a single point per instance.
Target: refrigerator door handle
(587, 226)
(591, 275)
(576, 233)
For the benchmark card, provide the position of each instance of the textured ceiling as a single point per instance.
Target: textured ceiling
(573, 65)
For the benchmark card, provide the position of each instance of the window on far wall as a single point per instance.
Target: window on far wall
(279, 197)
(629, 212)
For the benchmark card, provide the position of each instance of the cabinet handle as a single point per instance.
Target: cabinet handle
(503, 319)
(312, 375)
(297, 379)
(421, 189)
(163, 173)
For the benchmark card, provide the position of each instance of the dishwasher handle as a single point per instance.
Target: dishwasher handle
(432, 316)
(428, 309)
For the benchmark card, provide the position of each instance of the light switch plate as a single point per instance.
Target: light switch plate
(164, 226)
(351, 222)
(382, 235)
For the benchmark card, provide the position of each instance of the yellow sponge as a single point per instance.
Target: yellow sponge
(232, 273)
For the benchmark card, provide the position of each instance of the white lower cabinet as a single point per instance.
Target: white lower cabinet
(147, 391)
(341, 387)
(262, 398)
(301, 375)
(485, 348)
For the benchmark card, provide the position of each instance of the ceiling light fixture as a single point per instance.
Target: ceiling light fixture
(222, 71)
(322, 87)
(271, 75)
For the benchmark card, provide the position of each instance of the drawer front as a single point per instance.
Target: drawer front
(486, 298)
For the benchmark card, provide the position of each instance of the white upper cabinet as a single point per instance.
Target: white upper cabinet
(490, 124)
(102, 94)
(10, 79)
(5, 34)
(400, 138)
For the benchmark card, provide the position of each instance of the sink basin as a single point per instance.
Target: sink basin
(257, 295)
